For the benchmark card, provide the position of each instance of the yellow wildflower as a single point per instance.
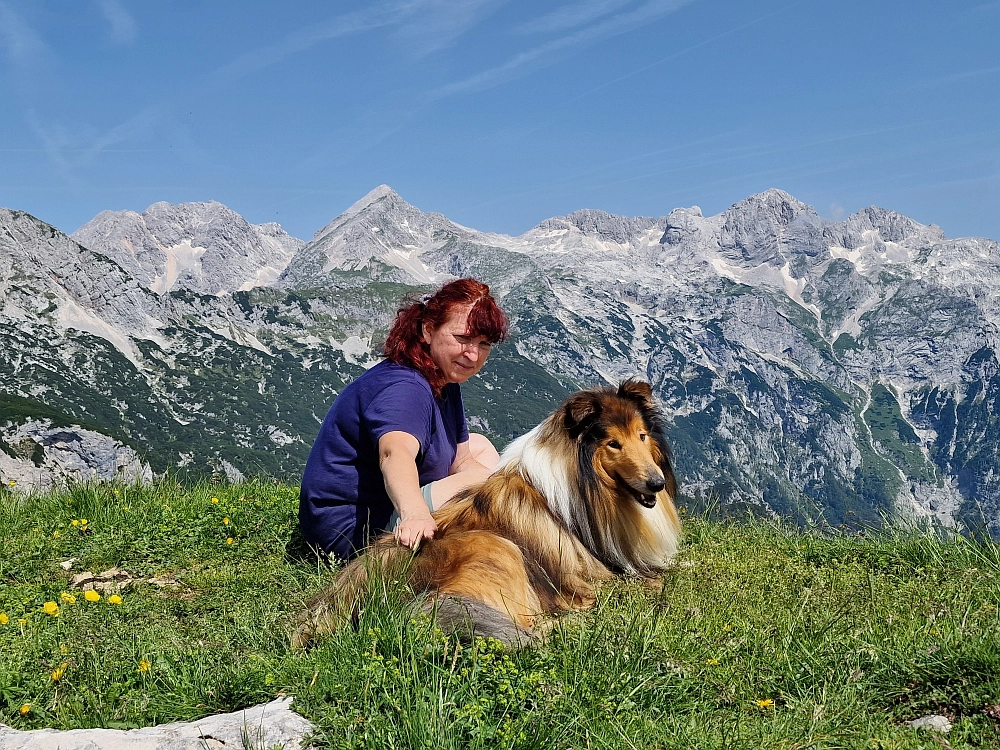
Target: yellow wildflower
(51, 608)
(3, 618)
(12, 483)
(229, 540)
(25, 709)
(83, 521)
(712, 662)
(114, 599)
(215, 500)
(226, 520)
(75, 522)
(67, 597)
(58, 672)
(92, 596)
(22, 622)
(765, 703)
(55, 534)
(144, 666)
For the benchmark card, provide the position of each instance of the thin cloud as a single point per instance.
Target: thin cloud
(123, 28)
(432, 25)
(684, 51)
(149, 118)
(18, 39)
(954, 77)
(303, 39)
(551, 52)
(570, 16)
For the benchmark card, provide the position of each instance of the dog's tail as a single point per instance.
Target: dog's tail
(469, 619)
(384, 565)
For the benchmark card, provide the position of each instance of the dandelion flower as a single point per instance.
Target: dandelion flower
(75, 522)
(3, 618)
(114, 599)
(25, 709)
(226, 520)
(215, 500)
(58, 672)
(67, 597)
(765, 703)
(83, 521)
(92, 596)
(229, 540)
(51, 608)
(144, 666)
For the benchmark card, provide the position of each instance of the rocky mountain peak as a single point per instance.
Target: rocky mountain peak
(680, 224)
(203, 247)
(753, 230)
(382, 226)
(889, 226)
(621, 230)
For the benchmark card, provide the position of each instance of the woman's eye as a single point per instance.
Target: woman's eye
(615, 445)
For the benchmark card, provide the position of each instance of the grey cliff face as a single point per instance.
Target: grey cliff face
(202, 247)
(831, 371)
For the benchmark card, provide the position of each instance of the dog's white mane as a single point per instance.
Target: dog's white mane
(547, 472)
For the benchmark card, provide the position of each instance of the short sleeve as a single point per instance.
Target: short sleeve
(462, 426)
(406, 406)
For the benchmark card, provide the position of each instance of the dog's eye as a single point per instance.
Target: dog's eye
(615, 445)
(642, 435)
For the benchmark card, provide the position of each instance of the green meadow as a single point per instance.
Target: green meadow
(760, 636)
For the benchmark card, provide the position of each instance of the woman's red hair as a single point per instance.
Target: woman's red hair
(405, 344)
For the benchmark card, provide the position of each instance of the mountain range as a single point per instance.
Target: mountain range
(837, 372)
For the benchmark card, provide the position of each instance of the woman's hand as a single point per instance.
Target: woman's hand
(412, 531)
(397, 460)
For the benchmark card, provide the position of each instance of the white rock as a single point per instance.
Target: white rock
(932, 723)
(264, 726)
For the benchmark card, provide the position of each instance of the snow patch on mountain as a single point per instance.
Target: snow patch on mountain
(181, 260)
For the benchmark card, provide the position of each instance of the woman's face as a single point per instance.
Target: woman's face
(458, 355)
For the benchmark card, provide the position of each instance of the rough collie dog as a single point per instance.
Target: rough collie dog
(586, 495)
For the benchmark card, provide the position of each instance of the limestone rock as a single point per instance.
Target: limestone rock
(932, 723)
(265, 726)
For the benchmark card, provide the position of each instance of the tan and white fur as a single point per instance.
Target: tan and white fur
(586, 495)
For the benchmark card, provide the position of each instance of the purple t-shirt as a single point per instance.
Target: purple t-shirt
(343, 501)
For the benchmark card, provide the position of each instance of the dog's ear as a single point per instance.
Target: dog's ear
(579, 413)
(638, 391)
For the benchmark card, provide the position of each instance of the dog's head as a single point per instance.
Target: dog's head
(620, 439)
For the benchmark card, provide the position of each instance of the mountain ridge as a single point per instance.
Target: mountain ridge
(808, 366)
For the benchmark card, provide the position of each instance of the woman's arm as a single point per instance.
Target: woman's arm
(464, 460)
(397, 459)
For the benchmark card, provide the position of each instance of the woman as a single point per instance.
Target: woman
(395, 445)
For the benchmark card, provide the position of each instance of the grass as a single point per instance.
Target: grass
(760, 636)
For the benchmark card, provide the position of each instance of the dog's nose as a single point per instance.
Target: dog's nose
(655, 484)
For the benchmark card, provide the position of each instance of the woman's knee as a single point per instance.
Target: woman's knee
(483, 451)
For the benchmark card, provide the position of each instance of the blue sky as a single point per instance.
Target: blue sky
(500, 114)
